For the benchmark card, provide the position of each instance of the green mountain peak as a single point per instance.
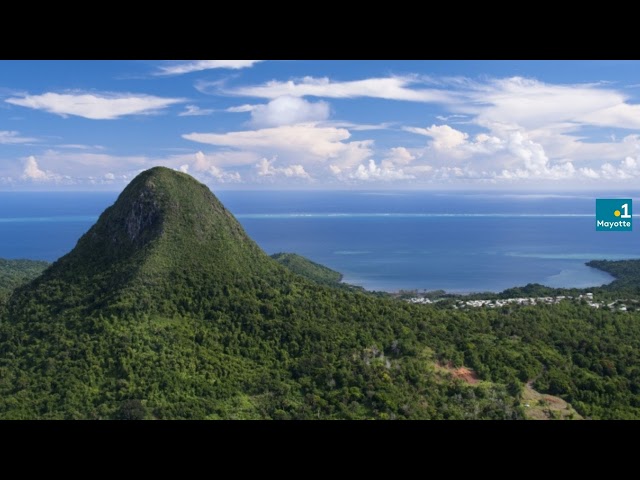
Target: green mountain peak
(165, 229)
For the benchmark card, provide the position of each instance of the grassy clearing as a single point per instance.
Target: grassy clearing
(538, 406)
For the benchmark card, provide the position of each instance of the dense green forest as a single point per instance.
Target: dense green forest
(315, 272)
(14, 273)
(626, 273)
(166, 309)
(308, 269)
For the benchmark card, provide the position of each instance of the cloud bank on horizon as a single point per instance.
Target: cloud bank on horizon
(322, 124)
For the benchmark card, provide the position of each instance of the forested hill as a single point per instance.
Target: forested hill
(166, 309)
(308, 269)
(626, 273)
(14, 273)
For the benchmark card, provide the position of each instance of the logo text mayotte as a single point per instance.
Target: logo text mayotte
(614, 214)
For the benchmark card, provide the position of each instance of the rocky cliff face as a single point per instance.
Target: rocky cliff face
(144, 213)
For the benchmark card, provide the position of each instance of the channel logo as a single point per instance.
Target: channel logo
(613, 214)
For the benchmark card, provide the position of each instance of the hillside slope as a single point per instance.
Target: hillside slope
(14, 273)
(308, 269)
(166, 309)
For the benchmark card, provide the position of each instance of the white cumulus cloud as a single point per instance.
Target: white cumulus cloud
(293, 143)
(589, 173)
(398, 156)
(34, 173)
(390, 88)
(241, 108)
(529, 130)
(530, 104)
(94, 106)
(627, 169)
(199, 65)
(265, 168)
(8, 137)
(288, 110)
(208, 165)
(444, 137)
(194, 111)
(374, 172)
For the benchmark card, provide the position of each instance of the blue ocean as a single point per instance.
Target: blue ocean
(459, 242)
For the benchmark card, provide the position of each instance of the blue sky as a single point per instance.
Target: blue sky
(234, 124)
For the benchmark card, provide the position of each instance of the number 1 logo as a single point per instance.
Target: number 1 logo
(625, 207)
(614, 214)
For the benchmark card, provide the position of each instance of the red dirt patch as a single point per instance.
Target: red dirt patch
(463, 373)
(466, 374)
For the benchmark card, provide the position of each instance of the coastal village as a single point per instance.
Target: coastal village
(617, 305)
